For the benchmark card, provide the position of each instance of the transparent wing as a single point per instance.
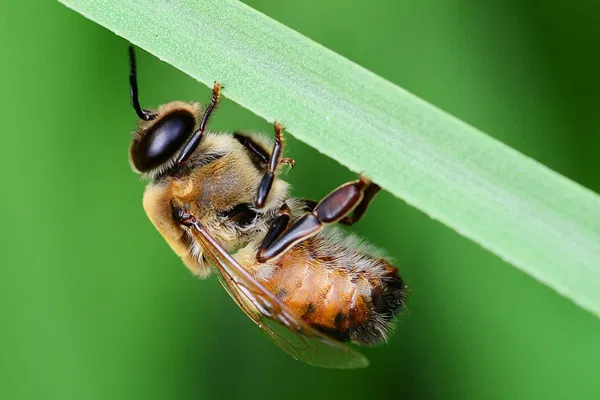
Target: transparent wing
(271, 315)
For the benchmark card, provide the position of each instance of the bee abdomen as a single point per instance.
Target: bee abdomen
(376, 300)
(386, 299)
(345, 306)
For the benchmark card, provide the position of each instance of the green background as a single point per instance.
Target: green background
(94, 305)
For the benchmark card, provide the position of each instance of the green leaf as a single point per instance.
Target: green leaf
(530, 216)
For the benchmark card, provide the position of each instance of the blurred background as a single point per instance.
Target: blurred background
(94, 305)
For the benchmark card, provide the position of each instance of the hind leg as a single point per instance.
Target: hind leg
(346, 203)
(360, 209)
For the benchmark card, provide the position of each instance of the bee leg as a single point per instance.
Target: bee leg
(288, 161)
(309, 205)
(277, 227)
(267, 181)
(258, 154)
(196, 137)
(369, 193)
(183, 217)
(333, 208)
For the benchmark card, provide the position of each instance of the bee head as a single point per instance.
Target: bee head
(161, 134)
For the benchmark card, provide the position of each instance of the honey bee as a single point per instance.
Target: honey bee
(219, 202)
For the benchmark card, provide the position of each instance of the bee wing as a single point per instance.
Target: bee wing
(273, 316)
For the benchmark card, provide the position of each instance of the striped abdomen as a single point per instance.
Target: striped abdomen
(339, 290)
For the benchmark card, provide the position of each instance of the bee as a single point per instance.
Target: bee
(219, 202)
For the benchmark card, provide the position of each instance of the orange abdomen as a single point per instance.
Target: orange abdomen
(337, 298)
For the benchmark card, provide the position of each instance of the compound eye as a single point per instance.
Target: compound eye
(162, 140)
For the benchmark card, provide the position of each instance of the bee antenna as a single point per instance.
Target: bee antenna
(133, 89)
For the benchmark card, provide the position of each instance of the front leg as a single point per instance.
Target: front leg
(196, 137)
(336, 206)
